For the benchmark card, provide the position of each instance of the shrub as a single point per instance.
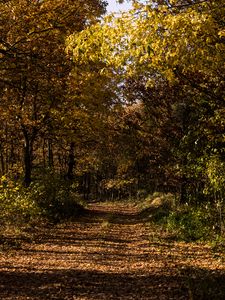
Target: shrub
(194, 223)
(189, 225)
(16, 205)
(50, 197)
(56, 197)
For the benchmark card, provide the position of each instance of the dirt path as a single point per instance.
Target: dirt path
(110, 254)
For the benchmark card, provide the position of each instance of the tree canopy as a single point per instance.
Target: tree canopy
(135, 99)
(175, 45)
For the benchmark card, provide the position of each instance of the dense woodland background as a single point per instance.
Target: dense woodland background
(115, 109)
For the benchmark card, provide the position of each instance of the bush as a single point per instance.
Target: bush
(189, 225)
(56, 197)
(16, 205)
(50, 197)
(194, 223)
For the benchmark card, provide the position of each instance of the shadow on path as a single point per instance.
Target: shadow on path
(79, 284)
(107, 254)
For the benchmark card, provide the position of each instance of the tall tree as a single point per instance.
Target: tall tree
(34, 67)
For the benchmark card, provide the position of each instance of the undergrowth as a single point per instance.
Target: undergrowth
(48, 199)
(187, 222)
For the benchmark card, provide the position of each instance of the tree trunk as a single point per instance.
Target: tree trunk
(183, 190)
(71, 162)
(2, 161)
(50, 154)
(28, 152)
(27, 162)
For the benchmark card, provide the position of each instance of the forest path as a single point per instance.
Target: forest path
(110, 253)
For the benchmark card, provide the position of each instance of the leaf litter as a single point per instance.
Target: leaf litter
(110, 253)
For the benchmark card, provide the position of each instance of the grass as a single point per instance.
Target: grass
(184, 222)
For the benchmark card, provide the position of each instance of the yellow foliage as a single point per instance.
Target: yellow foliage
(149, 39)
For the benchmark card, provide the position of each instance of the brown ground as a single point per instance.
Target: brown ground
(110, 254)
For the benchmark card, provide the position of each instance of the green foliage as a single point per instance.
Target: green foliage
(50, 197)
(189, 225)
(186, 222)
(56, 197)
(194, 223)
(216, 177)
(16, 203)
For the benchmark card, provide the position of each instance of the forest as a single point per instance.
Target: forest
(103, 107)
(112, 150)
